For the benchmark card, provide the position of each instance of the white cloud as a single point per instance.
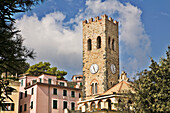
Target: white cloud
(55, 41)
(52, 41)
(135, 43)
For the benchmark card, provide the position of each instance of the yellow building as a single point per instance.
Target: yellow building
(12, 107)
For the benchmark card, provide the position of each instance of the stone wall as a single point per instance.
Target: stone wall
(103, 56)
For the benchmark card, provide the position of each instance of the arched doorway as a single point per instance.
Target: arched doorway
(92, 106)
(109, 104)
(86, 106)
(99, 104)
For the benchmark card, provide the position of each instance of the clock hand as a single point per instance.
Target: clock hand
(94, 68)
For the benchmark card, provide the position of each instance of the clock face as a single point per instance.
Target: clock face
(113, 68)
(94, 68)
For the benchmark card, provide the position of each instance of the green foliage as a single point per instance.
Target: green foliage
(44, 67)
(152, 88)
(12, 52)
(10, 7)
(5, 89)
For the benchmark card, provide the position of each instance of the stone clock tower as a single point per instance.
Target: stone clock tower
(100, 55)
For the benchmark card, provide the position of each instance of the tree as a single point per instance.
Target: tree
(5, 89)
(44, 67)
(12, 51)
(152, 88)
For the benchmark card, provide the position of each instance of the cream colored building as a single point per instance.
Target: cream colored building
(108, 99)
(12, 107)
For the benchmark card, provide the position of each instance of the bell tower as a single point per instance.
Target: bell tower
(100, 55)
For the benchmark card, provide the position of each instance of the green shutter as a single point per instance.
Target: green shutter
(80, 83)
(40, 80)
(72, 94)
(25, 107)
(25, 93)
(32, 105)
(61, 83)
(49, 81)
(21, 108)
(32, 91)
(54, 104)
(21, 82)
(64, 104)
(3, 106)
(12, 106)
(55, 91)
(64, 92)
(72, 106)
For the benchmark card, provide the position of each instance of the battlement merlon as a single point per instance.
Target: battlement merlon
(96, 19)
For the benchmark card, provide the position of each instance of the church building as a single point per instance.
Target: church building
(101, 81)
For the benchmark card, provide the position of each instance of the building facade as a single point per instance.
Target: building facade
(109, 99)
(78, 79)
(46, 94)
(100, 55)
(12, 106)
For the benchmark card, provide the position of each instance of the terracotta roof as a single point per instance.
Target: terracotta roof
(77, 76)
(121, 86)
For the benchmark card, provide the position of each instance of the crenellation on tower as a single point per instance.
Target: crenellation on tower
(97, 19)
(110, 19)
(90, 20)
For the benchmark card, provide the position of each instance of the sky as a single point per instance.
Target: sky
(54, 30)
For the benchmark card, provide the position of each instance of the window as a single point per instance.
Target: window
(21, 82)
(64, 92)
(61, 83)
(113, 44)
(20, 108)
(25, 107)
(34, 81)
(40, 80)
(81, 84)
(89, 44)
(31, 105)
(98, 42)
(49, 81)
(32, 91)
(54, 104)
(109, 43)
(55, 91)
(64, 104)
(94, 88)
(25, 93)
(7, 106)
(72, 106)
(79, 95)
(72, 93)
(21, 95)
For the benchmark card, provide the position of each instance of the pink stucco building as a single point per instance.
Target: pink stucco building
(46, 94)
(78, 79)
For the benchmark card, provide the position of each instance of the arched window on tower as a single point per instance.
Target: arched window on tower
(89, 44)
(113, 44)
(94, 88)
(109, 43)
(98, 42)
